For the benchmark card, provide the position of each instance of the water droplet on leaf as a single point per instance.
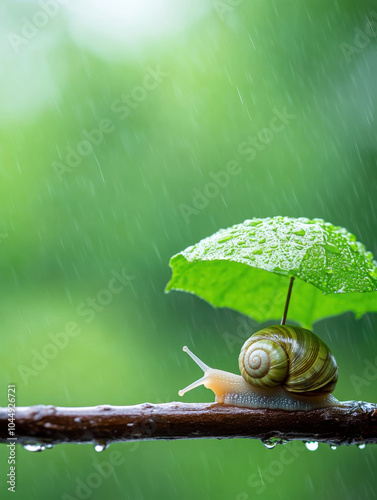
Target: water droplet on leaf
(331, 248)
(252, 222)
(224, 239)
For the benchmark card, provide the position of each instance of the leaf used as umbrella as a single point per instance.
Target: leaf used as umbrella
(228, 269)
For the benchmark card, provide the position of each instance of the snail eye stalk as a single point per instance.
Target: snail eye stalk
(201, 381)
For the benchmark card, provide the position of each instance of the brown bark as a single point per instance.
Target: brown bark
(351, 423)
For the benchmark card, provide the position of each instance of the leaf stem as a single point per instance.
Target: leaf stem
(284, 318)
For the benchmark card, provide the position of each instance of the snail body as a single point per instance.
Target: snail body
(282, 367)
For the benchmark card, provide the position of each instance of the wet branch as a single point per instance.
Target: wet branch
(352, 423)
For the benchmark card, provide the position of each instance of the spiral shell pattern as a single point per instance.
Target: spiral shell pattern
(290, 356)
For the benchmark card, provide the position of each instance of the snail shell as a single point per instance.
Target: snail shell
(290, 356)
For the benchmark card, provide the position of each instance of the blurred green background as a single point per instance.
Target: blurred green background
(145, 189)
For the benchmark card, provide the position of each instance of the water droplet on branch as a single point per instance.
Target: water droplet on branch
(33, 447)
(311, 445)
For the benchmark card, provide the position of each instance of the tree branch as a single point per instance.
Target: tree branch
(351, 423)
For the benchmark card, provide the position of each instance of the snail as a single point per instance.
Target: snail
(282, 367)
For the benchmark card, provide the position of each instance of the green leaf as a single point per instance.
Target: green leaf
(246, 266)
